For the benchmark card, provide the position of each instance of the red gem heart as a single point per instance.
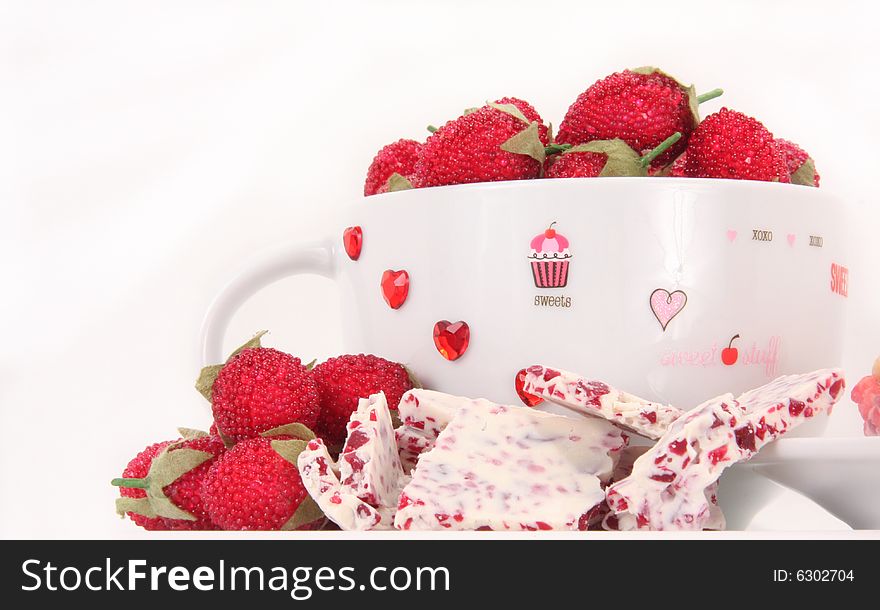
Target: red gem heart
(451, 339)
(353, 240)
(395, 287)
(530, 400)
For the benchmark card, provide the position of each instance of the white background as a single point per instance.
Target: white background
(146, 149)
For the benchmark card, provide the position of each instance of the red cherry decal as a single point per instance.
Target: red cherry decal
(395, 287)
(730, 354)
(451, 339)
(353, 240)
(550, 233)
(530, 400)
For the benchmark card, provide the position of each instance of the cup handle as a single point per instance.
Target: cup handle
(272, 265)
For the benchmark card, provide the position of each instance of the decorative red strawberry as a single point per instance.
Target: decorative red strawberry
(729, 144)
(170, 488)
(138, 468)
(343, 381)
(642, 107)
(503, 140)
(800, 165)
(866, 394)
(606, 158)
(259, 388)
(392, 167)
(256, 486)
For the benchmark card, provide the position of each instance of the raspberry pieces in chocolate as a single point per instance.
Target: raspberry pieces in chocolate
(360, 491)
(596, 398)
(423, 415)
(510, 468)
(672, 484)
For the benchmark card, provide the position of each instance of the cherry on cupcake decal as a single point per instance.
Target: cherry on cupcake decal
(550, 258)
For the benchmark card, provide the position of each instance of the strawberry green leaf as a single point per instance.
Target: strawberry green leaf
(622, 160)
(510, 109)
(396, 182)
(227, 442)
(693, 103)
(805, 174)
(138, 506)
(207, 377)
(527, 142)
(689, 90)
(208, 374)
(289, 450)
(166, 468)
(191, 433)
(311, 364)
(295, 430)
(307, 512)
(163, 507)
(252, 343)
(468, 111)
(172, 463)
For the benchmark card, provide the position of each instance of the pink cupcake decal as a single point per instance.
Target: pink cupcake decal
(550, 258)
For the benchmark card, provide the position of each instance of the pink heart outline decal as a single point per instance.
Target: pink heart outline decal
(791, 237)
(666, 305)
(731, 235)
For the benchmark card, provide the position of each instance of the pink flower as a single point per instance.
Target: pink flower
(866, 394)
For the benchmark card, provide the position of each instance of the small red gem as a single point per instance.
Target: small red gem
(451, 339)
(530, 400)
(395, 287)
(353, 240)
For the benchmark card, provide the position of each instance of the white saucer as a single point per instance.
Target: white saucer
(842, 475)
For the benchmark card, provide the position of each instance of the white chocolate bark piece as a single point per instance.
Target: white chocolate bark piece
(410, 445)
(369, 464)
(624, 468)
(321, 479)
(429, 411)
(510, 468)
(361, 489)
(423, 416)
(646, 418)
(671, 484)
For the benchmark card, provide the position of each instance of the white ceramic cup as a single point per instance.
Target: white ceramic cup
(662, 273)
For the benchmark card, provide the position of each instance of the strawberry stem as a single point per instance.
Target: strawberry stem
(552, 149)
(660, 149)
(709, 95)
(431, 128)
(131, 483)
